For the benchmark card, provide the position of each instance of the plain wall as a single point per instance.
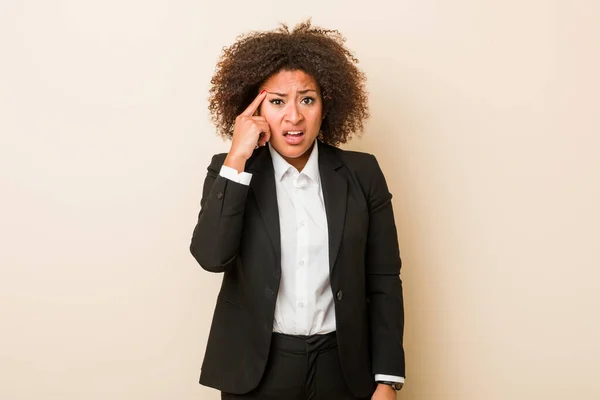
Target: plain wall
(485, 119)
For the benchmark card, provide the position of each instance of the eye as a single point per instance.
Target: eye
(276, 102)
(308, 100)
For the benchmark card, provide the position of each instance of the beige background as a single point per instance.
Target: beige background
(485, 118)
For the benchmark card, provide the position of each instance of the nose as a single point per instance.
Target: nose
(293, 116)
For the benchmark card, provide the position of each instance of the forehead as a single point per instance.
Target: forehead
(290, 80)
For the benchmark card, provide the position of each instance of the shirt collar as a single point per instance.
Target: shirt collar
(311, 169)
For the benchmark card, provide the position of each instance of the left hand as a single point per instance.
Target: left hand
(384, 392)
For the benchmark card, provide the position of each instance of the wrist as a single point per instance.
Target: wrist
(382, 388)
(235, 161)
(394, 386)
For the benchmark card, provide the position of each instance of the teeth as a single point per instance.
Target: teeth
(294, 132)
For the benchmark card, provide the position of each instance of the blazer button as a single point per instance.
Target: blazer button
(219, 195)
(339, 295)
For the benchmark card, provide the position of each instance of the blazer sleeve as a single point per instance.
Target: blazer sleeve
(384, 286)
(216, 237)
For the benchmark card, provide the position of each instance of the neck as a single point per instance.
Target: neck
(300, 162)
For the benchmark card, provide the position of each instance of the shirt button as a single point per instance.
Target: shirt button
(300, 304)
(301, 262)
(301, 223)
(339, 295)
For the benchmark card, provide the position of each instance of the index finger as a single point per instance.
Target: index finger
(251, 109)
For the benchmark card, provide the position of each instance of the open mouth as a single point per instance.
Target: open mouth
(293, 133)
(293, 137)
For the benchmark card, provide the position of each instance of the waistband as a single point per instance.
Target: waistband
(304, 344)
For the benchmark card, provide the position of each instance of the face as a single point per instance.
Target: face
(293, 109)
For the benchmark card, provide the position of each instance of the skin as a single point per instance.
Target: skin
(384, 392)
(293, 103)
(288, 101)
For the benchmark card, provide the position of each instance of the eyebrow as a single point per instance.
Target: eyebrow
(299, 91)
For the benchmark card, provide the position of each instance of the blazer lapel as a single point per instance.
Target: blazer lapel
(263, 187)
(335, 190)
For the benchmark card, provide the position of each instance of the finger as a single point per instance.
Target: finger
(251, 109)
(262, 127)
(264, 133)
(264, 137)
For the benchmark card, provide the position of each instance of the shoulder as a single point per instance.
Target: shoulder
(355, 161)
(363, 167)
(217, 161)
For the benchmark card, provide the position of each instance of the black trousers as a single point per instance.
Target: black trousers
(301, 368)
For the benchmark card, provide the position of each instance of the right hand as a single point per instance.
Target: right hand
(250, 130)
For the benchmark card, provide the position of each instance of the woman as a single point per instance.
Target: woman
(311, 301)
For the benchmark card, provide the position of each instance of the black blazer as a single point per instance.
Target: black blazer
(238, 233)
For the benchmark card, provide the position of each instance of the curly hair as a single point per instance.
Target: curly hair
(321, 53)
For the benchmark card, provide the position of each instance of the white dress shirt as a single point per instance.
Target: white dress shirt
(305, 304)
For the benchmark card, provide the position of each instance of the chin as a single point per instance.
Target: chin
(291, 151)
(296, 152)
